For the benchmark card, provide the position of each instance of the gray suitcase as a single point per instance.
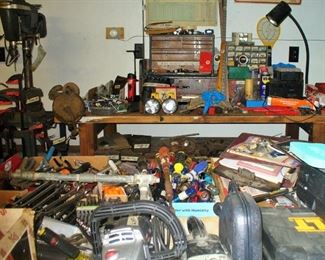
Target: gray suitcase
(292, 234)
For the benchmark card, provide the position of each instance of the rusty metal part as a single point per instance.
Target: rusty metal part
(71, 87)
(68, 107)
(55, 91)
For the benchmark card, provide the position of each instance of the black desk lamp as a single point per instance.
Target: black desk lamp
(277, 15)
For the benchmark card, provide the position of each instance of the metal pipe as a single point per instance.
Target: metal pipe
(27, 59)
(87, 177)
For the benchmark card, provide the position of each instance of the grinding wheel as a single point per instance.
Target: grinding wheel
(55, 91)
(71, 88)
(68, 107)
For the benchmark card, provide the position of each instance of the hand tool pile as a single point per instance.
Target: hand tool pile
(66, 192)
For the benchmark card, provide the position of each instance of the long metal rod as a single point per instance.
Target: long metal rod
(143, 25)
(86, 177)
(27, 60)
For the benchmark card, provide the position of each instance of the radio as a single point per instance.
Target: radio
(287, 83)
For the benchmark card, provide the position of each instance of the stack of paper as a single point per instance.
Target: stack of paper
(311, 153)
(260, 155)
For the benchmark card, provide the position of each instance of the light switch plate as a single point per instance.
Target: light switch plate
(293, 54)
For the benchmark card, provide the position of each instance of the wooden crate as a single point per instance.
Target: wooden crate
(15, 224)
(7, 196)
(180, 53)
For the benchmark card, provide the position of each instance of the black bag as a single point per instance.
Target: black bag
(292, 234)
(240, 228)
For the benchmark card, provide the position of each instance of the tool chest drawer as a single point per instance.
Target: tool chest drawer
(182, 54)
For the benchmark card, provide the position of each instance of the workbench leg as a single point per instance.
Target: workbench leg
(318, 133)
(88, 139)
(292, 130)
(109, 129)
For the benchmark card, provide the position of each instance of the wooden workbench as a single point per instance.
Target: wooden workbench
(90, 126)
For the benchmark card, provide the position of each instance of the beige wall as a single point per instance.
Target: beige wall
(78, 51)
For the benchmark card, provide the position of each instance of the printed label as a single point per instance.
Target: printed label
(59, 140)
(129, 158)
(33, 100)
(308, 224)
(141, 146)
(185, 209)
(114, 157)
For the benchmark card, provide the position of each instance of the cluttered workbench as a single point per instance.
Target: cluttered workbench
(90, 126)
(249, 198)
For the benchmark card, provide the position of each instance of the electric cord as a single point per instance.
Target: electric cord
(166, 232)
(316, 111)
(297, 121)
(130, 38)
(157, 239)
(161, 237)
(12, 57)
(4, 85)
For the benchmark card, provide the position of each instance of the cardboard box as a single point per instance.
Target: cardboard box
(7, 196)
(7, 167)
(16, 224)
(203, 211)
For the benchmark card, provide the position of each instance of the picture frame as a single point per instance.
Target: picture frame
(294, 2)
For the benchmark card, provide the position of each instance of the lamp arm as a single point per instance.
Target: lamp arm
(306, 46)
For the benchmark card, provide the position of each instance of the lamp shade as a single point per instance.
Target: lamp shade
(279, 13)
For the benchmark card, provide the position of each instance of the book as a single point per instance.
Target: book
(244, 177)
(259, 149)
(250, 190)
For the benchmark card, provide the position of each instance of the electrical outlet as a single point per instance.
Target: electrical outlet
(115, 33)
(138, 51)
(293, 54)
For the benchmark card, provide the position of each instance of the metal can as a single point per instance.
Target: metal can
(264, 80)
(131, 87)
